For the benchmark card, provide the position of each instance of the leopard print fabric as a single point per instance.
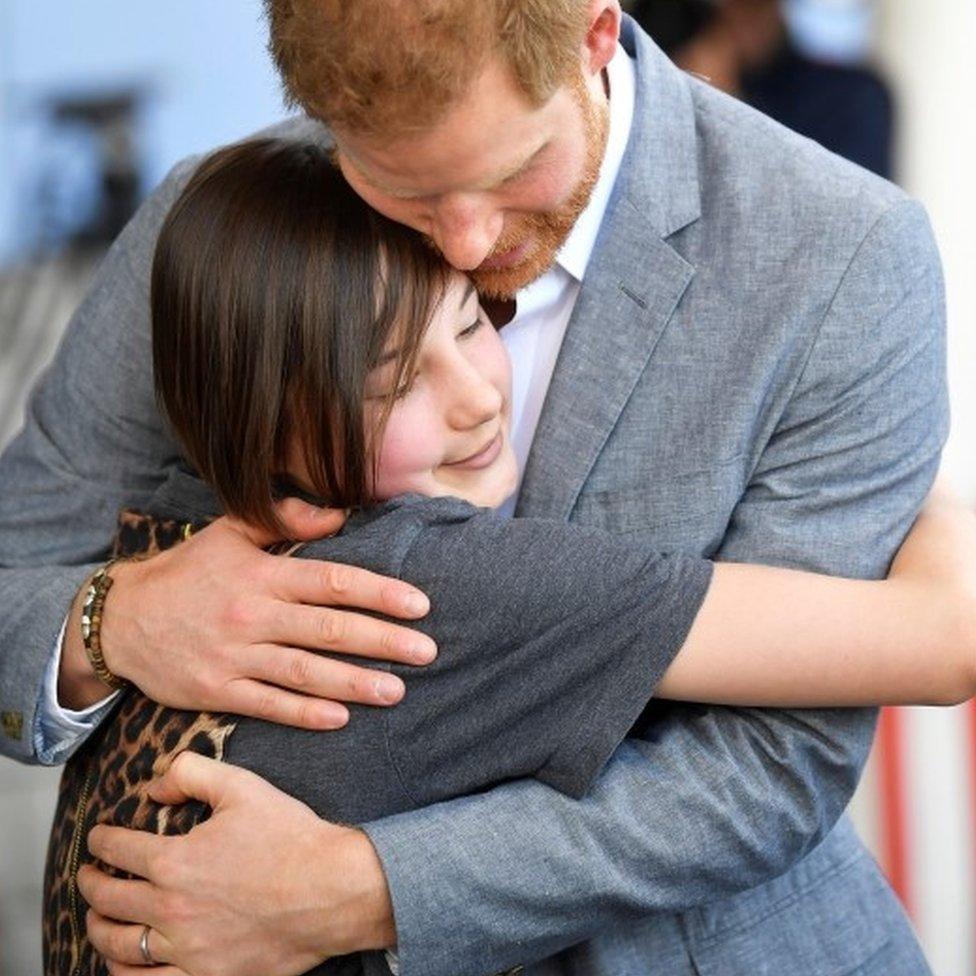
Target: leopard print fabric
(105, 782)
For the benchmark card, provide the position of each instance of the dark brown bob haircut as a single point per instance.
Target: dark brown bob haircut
(275, 289)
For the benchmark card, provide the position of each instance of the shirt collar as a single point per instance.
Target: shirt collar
(575, 253)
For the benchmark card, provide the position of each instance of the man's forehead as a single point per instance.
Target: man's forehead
(399, 175)
(488, 137)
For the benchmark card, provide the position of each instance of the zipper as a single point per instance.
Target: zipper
(74, 856)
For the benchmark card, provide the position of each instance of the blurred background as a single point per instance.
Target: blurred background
(98, 100)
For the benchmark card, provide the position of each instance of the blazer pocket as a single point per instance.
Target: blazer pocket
(829, 929)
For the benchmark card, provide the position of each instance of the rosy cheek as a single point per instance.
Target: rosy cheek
(409, 450)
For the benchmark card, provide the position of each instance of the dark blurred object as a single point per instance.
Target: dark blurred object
(743, 47)
(673, 23)
(82, 191)
(109, 121)
(847, 108)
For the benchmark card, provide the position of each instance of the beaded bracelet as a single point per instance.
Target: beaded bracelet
(91, 624)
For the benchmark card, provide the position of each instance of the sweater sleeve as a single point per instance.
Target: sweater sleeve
(552, 638)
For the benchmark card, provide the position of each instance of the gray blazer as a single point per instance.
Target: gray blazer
(754, 370)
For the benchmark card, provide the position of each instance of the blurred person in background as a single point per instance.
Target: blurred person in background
(750, 365)
(804, 63)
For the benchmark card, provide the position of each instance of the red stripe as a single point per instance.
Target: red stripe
(972, 777)
(894, 825)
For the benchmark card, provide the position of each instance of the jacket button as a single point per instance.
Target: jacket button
(13, 724)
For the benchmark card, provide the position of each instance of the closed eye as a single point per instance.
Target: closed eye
(471, 329)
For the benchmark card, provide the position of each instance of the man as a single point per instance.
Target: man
(739, 351)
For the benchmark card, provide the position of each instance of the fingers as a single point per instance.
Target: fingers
(327, 584)
(128, 850)
(300, 520)
(120, 944)
(304, 521)
(256, 699)
(322, 677)
(120, 969)
(348, 632)
(118, 898)
(195, 777)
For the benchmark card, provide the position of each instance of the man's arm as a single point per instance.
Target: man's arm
(92, 442)
(714, 801)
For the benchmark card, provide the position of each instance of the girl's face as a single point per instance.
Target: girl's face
(448, 431)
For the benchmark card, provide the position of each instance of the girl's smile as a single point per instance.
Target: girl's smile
(448, 431)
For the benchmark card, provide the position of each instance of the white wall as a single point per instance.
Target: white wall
(928, 47)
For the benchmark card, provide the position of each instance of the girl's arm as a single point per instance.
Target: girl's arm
(779, 637)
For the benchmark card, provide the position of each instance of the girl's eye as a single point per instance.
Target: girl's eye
(397, 394)
(471, 329)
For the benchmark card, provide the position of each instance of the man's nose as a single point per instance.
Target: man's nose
(465, 230)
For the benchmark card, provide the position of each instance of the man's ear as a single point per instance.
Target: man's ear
(600, 43)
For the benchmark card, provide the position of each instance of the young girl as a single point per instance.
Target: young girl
(303, 343)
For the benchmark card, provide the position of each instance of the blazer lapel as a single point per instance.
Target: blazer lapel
(609, 341)
(632, 286)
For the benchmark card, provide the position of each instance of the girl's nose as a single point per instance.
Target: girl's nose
(475, 401)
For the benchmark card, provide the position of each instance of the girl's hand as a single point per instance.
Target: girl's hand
(217, 624)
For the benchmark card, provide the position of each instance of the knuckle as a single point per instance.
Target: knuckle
(389, 639)
(331, 628)
(209, 692)
(392, 596)
(304, 715)
(114, 941)
(93, 926)
(239, 613)
(161, 865)
(279, 572)
(298, 671)
(91, 888)
(266, 705)
(108, 852)
(180, 762)
(337, 578)
(173, 908)
(356, 685)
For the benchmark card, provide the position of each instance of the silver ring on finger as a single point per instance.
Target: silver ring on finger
(144, 946)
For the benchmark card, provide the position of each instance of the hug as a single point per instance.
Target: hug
(634, 559)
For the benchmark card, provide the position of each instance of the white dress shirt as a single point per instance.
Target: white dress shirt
(533, 339)
(543, 309)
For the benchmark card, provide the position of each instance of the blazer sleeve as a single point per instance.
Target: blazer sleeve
(93, 442)
(711, 801)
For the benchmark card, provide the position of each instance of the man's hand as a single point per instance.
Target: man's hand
(262, 888)
(217, 624)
